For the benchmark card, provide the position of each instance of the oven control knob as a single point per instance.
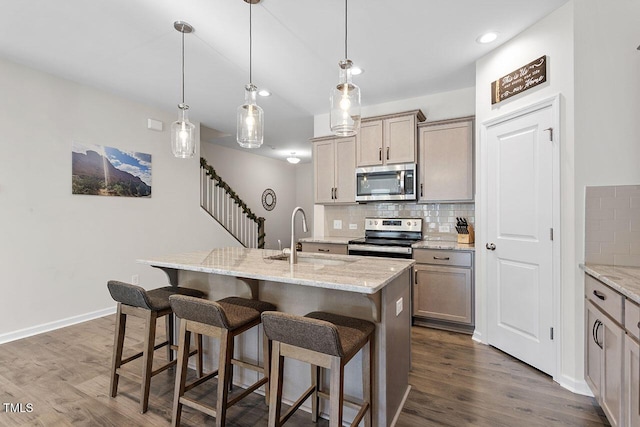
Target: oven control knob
(375, 222)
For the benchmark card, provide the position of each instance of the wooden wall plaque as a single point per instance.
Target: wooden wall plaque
(520, 80)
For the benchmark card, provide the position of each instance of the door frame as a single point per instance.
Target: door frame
(483, 218)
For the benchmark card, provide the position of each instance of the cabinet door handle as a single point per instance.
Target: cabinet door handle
(335, 192)
(380, 154)
(421, 192)
(443, 258)
(323, 250)
(597, 329)
(387, 153)
(600, 295)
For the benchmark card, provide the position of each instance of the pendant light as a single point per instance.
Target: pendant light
(183, 143)
(250, 117)
(345, 96)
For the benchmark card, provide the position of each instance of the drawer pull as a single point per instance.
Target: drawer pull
(600, 295)
(442, 258)
(323, 250)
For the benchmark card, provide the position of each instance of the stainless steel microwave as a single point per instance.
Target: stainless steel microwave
(386, 183)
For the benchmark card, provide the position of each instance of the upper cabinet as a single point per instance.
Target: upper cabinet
(334, 162)
(387, 140)
(445, 166)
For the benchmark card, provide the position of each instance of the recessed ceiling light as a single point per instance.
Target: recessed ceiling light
(293, 159)
(355, 70)
(264, 92)
(487, 37)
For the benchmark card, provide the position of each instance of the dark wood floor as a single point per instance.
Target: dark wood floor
(64, 374)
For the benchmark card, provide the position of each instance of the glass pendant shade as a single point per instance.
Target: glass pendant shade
(183, 137)
(250, 120)
(345, 103)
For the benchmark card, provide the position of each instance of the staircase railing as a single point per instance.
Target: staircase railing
(224, 205)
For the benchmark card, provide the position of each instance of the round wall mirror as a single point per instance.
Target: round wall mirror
(269, 199)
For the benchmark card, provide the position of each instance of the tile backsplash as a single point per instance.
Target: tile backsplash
(612, 225)
(435, 217)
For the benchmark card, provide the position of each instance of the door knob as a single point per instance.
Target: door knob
(491, 246)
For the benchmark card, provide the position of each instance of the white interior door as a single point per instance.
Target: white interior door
(519, 237)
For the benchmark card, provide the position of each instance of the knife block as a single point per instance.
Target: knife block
(467, 238)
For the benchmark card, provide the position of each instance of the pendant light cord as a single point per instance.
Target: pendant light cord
(345, 29)
(250, 44)
(182, 64)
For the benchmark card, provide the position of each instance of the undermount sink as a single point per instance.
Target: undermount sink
(311, 260)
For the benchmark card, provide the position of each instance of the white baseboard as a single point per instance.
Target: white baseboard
(477, 337)
(404, 400)
(46, 327)
(575, 386)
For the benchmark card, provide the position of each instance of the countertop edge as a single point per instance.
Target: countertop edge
(599, 271)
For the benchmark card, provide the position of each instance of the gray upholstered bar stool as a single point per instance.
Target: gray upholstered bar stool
(323, 340)
(224, 319)
(148, 305)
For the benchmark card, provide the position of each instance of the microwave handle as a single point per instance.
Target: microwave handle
(402, 173)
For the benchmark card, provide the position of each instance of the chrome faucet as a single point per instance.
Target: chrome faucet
(293, 257)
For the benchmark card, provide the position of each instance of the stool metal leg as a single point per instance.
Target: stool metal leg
(121, 322)
(147, 359)
(181, 374)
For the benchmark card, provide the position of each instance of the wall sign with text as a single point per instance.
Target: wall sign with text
(520, 80)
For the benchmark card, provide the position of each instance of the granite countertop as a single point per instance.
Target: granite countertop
(350, 273)
(625, 280)
(439, 244)
(327, 239)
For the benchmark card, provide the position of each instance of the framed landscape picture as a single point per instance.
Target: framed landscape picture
(106, 171)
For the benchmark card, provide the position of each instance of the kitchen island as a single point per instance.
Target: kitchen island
(376, 289)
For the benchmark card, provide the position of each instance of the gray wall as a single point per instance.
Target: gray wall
(57, 250)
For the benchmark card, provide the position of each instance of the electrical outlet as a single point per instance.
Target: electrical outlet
(398, 307)
(135, 279)
(337, 224)
(444, 229)
(353, 226)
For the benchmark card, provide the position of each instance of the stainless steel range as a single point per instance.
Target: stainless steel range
(387, 237)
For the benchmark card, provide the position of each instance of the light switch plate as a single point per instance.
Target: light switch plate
(399, 307)
(337, 224)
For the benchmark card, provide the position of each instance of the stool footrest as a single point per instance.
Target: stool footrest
(247, 365)
(294, 407)
(209, 410)
(200, 380)
(350, 403)
(138, 355)
(247, 391)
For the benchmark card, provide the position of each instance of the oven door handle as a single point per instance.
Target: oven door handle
(380, 249)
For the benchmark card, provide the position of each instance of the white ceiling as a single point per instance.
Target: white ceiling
(408, 48)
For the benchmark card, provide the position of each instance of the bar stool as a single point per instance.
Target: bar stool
(148, 305)
(224, 319)
(323, 340)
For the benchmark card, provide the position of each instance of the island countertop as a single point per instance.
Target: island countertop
(361, 274)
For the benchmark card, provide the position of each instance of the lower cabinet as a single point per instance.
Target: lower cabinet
(443, 295)
(611, 355)
(632, 381)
